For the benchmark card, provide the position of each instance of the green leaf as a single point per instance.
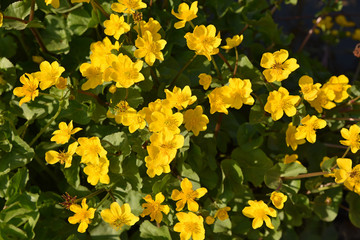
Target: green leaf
(326, 205)
(55, 36)
(248, 137)
(17, 182)
(150, 231)
(8, 46)
(354, 208)
(78, 21)
(72, 174)
(134, 97)
(232, 172)
(19, 9)
(293, 2)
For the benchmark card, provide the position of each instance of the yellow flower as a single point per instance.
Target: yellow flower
(101, 52)
(290, 137)
(259, 211)
(308, 88)
(134, 120)
(120, 112)
(53, 157)
(352, 137)
(185, 14)
(338, 86)
(64, 133)
(203, 41)
(240, 93)
(166, 121)
(205, 80)
(94, 75)
(82, 215)
(209, 220)
(220, 100)
(54, 3)
(178, 98)
(149, 48)
(309, 125)
(98, 171)
(222, 214)
(123, 71)
(291, 158)
(1, 19)
(277, 67)
(118, 216)
(49, 74)
(167, 144)
(323, 100)
(195, 120)
(190, 225)
(80, 1)
(279, 102)
(156, 163)
(154, 208)
(348, 175)
(233, 42)
(127, 6)
(342, 21)
(29, 91)
(326, 23)
(187, 196)
(116, 26)
(278, 199)
(155, 106)
(90, 150)
(152, 26)
(356, 34)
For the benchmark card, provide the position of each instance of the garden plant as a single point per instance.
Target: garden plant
(169, 119)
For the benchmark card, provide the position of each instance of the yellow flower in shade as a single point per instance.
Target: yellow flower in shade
(209, 220)
(323, 100)
(64, 133)
(156, 163)
(195, 120)
(356, 35)
(29, 91)
(53, 157)
(205, 80)
(98, 171)
(222, 214)
(83, 214)
(178, 98)
(338, 86)
(204, 41)
(118, 216)
(348, 175)
(127, 6)
(189, 226)
(166, 121)
(54, 3)
(308, 88)
(308, 127)
(152, 26)
(90, 150)
(80, 1)
(116, 26)
(279, 102)
(185, 14)
(233, 42)
(135, 120)
(167, 144)
(278, 199)
(240, 92)
(94, 75)
(291, 158)
(187, 196)
(290, 137)
(325, 24)
(123, 71)
(49, 74)
(220, 100)
(101, 55)
(149, 48)
(120, 112)
(154, 207)
(1, 19)
(277, 67)
(342, 21)
(259, 211)
(352, 136)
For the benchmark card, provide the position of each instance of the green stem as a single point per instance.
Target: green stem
(236, 61)
(216, 68)
(32, 10)
(103, 200)
(320, 189)
(346, 152)
(182, 70)
(49, 123)
(225, 61)
(97, 192)
(100, 8)
(306, 175)
(192, 25)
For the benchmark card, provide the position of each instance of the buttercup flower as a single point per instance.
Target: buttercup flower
(205, 80)
(83, 214)
(178, 98)
(278, 199)
(154, 208)
(64, 133)
(222, 214)
(290, 137)
(195, 120)
(135, 120)
(185, 14)
(338, 87)
(190, 225)
(149, 48)
(187, 196)
(127, 6)
(90, 150)
(277, 67)
(80, 1)
(209, 220)
(220, 100)
(54, 3)
(167, 144)
(29, 91)
(240, 93)
(53, 157)
(342, 21)
(156, 163)
(1, 19)
(49, 74)
(308, 88)
(291, 158)
(120, 112)
(352, 136)
(101, 55)
(203, 41)
(118, 216)
(259, 211)
(233, 42)
(308, 127)
(116, 26)
(94, 75)
(323, 99)
(98, 171)
(348, 175)
(166, 121)
(152, 26)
